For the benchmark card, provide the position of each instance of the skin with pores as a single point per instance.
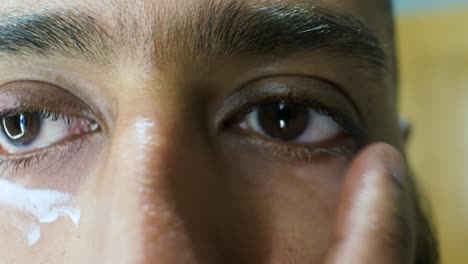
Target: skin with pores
(168, 161)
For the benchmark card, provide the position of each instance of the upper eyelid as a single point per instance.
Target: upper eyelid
(80, 80)
(291, 92)
(21, 96)
(336, 86)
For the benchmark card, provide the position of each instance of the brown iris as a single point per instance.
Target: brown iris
(282, 120)
(21, 129)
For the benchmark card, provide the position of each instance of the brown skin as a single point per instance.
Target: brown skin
(163, 182)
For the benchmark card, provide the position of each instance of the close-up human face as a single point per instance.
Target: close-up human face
(196, 131)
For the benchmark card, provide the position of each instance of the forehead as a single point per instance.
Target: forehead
(153, 32)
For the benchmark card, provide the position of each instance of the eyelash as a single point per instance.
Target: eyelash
(44, 113)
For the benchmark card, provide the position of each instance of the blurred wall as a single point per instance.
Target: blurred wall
(406, 6)
(433, 50)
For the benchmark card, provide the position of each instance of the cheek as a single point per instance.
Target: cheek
(50, 208)
(292, 204)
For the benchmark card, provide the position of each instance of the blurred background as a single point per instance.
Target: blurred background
(433, 54)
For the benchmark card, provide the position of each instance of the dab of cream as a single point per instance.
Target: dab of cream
(43, 206)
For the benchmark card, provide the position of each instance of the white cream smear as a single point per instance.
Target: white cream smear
(41, 206)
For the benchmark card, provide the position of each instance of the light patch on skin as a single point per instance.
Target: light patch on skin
(36, 207)
(144, 129)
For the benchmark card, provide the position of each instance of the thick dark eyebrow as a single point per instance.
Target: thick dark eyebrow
(232, 28)
(72, 34)
(278, 29)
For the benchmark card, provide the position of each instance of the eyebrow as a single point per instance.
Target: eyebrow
(280, 29)
(69, 34)
(226, 30)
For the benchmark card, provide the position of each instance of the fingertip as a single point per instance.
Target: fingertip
(383, 158)
(372, 217)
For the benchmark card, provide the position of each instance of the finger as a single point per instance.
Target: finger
(373, 221)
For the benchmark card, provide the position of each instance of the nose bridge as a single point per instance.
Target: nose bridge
(159, 177)
(118, 205)
(162, 229)
(164, 225)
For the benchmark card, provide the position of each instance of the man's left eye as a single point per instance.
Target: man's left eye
(27, 132)
(291, 122)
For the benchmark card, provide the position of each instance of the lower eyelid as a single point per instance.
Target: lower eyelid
(47, 159)
(16, 165)
(344, 149)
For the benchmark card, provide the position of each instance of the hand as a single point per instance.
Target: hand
(374, 216)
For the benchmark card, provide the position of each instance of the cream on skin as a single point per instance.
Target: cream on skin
(35, 207)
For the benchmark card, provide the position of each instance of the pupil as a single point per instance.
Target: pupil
(21, 129)
(283, 121)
